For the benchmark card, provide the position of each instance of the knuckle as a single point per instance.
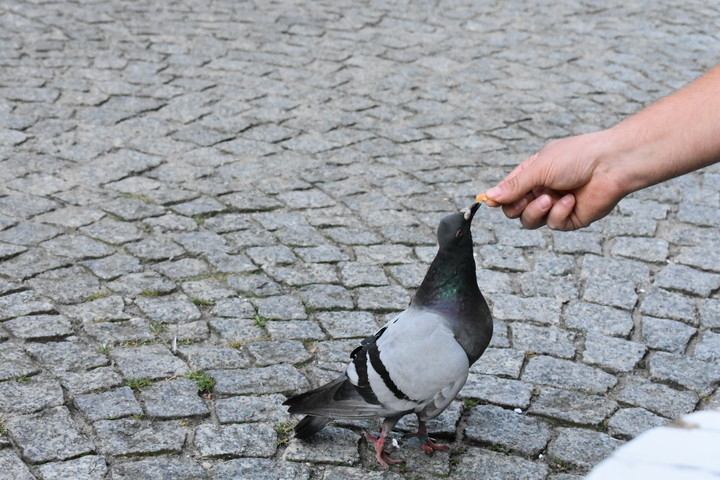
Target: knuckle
(513, 183)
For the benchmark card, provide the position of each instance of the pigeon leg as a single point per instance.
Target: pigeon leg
(383, 459)
(426, 443)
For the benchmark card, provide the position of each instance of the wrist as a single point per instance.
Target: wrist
(622, 161)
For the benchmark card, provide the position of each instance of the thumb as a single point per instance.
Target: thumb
(519, 182)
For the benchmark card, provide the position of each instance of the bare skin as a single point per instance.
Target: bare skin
(575, 181)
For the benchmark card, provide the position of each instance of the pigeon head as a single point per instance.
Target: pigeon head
(450, 282)
(454, 230)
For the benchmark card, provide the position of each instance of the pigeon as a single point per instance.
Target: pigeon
(419, 360)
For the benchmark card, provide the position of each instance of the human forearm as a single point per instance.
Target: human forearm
(674, 136)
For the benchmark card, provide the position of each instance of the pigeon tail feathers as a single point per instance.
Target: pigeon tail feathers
(310, 425)
(317, 397)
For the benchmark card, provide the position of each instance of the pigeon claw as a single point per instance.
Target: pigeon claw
(430, 446)
(383, 458)
(426, 443)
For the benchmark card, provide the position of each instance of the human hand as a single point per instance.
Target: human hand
(567, 185)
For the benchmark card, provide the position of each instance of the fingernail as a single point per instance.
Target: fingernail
(544, 202)
(494, 192)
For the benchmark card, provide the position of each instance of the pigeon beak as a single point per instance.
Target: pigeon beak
(469, 213)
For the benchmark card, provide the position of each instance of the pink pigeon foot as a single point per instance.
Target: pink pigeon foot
(426, 443)
(383, 459)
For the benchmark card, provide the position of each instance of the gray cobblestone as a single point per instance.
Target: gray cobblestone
(145, 284)
(347, 324)
(664, 304)
(208, 290)
(261, 469)
(643, 208)
(22, 303)
(598, 318)
(687, 280)
(251, 439)
(382, 298)
(202, 197)
(490, 281)
(129, 436)
(350, 473)
(303, 274)
(664, 334)
(700, 257)
(112, 231)
(612, 354)
(657, 397)
(572, 406)
(583, 448)
(325, 297)
(240, 409)
(8, 250)
(14, 466)
(48, 436)
(113, 266)
(175, 308)
(577, 242)
(89, 467)
(620, 294)
(480, 463)
(256, 284)
(631, 422)
(108, 405)
(542, 285)
(277, 378)
(551, 371)
(204, 358)
(336, 445)
(710, 313)
(40, 327)
(501, 391)
(162, 468)
(697, 375)
(147, 361)
(30, 263)
(708, 348)
(358, 274)
(500, 361)
(117, 332)
(550, 340)
(503, 257)
(273, 352)
(233, 307)
(30, 234)
(67, 285)
(283, 307)
(378, 255)
(66, 355)
(545, 311)
(294, 330)
(31, 395)
(93, 380)
(648, 249)
(237, 329)
(615, 269)
(496, 426)
(698, 215)
(173, 399)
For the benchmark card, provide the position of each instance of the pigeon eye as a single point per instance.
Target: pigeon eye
(459, 234)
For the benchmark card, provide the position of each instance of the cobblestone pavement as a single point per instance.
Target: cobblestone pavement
(203, 206)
